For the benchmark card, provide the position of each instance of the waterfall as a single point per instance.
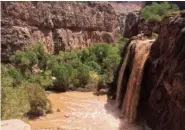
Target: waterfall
(130, 99)
(121, 74)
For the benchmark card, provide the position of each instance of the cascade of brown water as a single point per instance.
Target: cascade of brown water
(132, 95)
(120, 77)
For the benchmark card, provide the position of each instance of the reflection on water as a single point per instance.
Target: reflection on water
(80, 111)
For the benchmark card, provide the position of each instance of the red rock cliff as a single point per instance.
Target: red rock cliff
(164, 77)
(59, 25)
(151, 82)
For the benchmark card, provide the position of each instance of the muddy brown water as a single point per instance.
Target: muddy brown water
(81, 111)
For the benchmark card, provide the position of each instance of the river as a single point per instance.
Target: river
(81, 111)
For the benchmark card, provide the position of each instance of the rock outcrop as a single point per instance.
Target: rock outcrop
(152, 86)
(135, 25)
(164, 77)
(131, 24)
(127, 17)
(59, 25)
(14, 124)
(62, 25)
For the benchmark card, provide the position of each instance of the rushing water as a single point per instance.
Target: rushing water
(132, 95)
(128, 92)
(78, 111)
(81, 111)
(121, 75)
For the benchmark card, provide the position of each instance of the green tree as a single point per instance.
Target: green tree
(157, 11)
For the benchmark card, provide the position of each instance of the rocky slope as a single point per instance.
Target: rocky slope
(165, 75)
(157, 87)
(60, 25)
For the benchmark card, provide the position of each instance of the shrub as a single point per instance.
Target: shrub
(29, 98)
(67, 70)
(18, 101)
(39, 104)
(82, 75)
(68, 56)
(94, 66)
(26, 58)
(110, 65)
(34, 54)
(63, 74)
(11, 76)
(44, 79)
(157, 11)
(14, 102)
(87, 56)
(154, 35)
(100, 51)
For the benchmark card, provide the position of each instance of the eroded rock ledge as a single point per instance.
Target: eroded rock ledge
(59, 25)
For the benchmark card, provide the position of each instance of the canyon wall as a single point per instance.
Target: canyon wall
(135, 25)
(164, 77)
(152, 86)
(60, 25)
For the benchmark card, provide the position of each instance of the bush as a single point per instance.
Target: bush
(154, 35)
(14, 102)
(11, 76)
(82, 75)
(33, 55)
(157, 11)
(19, 98)
(67, 70)
(88, 56)
(28, 98)
(39, 104)
(64, 75)
(93, 66)
(44, 79)
(110, 65)
(100, 51)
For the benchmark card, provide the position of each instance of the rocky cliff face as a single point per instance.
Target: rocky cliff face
(59, 25)
(127, 17)
(164, 77)
(135, 25)
(131, 24)
(155, 91)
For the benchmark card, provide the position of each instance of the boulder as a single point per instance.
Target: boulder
(14, 124)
